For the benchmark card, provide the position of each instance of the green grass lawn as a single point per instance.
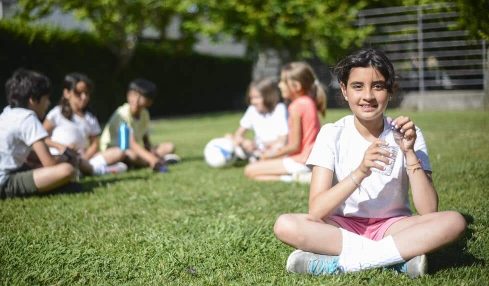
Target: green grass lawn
(201, 226)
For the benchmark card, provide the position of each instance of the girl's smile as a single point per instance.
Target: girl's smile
(366, 93)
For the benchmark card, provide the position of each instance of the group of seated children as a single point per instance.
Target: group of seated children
(363, 165)
(71, 137)
(39, 157)
(283, 140)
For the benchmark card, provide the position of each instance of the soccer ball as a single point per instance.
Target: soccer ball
(68, 135)
(219, 153)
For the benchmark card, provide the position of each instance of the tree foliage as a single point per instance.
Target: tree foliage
(119, 23)
(294, 27)
(474, 16)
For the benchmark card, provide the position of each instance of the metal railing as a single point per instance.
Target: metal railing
(427, 50)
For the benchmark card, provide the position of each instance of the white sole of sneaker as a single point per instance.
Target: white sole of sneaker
(290, 260)
(421, 269)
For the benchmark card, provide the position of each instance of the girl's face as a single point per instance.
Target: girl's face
(78, 97)
(257, 100)
(289, 88)
(366, 93)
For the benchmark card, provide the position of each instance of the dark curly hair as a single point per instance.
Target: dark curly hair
(376, 59)
(24, 85)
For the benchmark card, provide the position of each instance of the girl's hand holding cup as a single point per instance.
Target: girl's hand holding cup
(377, 157)
(404, 132)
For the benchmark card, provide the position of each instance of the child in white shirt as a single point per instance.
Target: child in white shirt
(363, 165)
(266, 116)
(21, 131)
(72, 125)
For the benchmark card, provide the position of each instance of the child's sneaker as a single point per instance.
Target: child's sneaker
(116, 168)
(171, 158)
(160, 168)
(316, 264)
(414, 267)
(302, 177)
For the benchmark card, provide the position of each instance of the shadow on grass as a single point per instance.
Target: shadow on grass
(191, 159)
(88, 186)
(104, 181)
(455, 255)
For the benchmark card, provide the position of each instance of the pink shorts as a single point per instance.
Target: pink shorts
(371, 228)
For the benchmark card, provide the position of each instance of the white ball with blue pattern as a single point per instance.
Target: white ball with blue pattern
(219, 152)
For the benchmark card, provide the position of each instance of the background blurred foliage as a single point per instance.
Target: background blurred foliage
(187, 83)
(295, 28)
(114, 50)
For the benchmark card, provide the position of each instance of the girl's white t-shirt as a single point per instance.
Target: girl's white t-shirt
(86, 126)
(266, 126)
(340, 148)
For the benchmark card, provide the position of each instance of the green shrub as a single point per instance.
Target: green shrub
(188, 83)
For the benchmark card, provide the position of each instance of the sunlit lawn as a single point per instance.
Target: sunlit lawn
(201, 226)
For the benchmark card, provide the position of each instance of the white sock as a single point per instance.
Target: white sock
(360, 253)
(98, 164)
(286, 178)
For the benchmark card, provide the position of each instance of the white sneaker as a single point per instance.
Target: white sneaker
(303, 177)
(118, 167)
(414, 267)
(171, 158)
(311, 263)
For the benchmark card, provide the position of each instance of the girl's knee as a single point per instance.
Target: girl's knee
(249, 171)
(456, 221)
(285, 228)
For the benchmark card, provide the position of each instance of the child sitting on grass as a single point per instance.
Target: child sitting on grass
(266, 116)
(71, 125)
(299, 86)
(135, 114)
(21, 131)
(363, 168)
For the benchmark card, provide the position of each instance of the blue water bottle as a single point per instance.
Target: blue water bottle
(124, 136)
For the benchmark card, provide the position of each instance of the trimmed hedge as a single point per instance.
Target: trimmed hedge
(187, 83)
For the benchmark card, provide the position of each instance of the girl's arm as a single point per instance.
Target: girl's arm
(277, 143)
(425, 198)
(49, 126)
(92, 148)
(325, 198)
(295, 139)
(239, 135)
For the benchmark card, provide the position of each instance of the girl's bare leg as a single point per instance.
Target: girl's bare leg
(113, 155)
(422, 234)
(266, 170)
(298, 231)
